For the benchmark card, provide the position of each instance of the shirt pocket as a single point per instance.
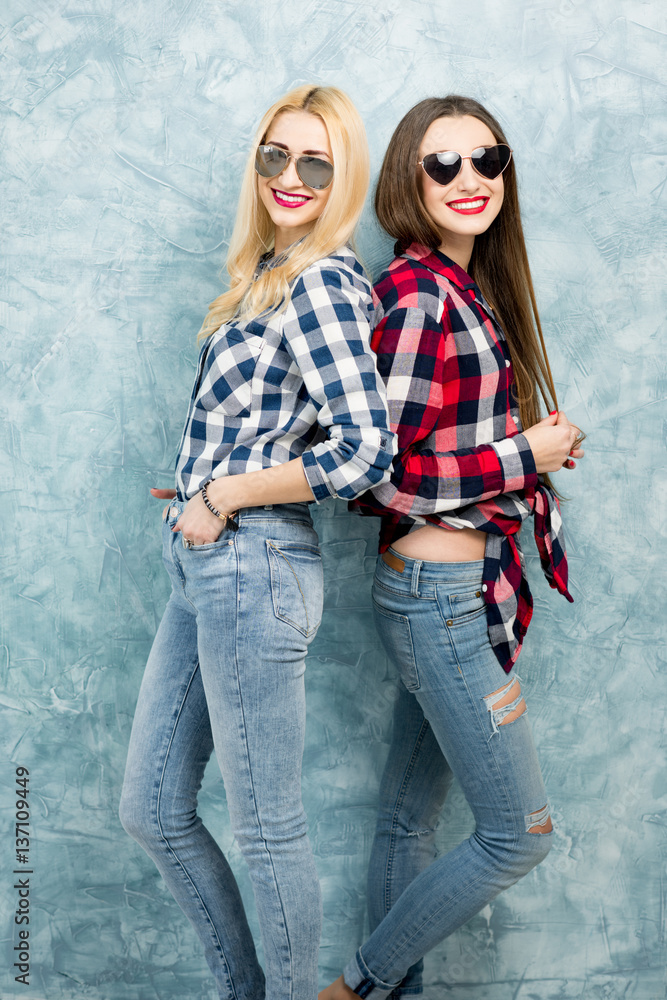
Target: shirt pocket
(277, 376)
(226, 383)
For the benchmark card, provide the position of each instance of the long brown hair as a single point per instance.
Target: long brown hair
(499, 262)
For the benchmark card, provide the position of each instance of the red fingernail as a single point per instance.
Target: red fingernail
(552, 413)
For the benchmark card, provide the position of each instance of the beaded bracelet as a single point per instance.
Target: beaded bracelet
(227, 518)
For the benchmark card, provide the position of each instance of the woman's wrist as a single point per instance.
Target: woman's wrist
(223, 494)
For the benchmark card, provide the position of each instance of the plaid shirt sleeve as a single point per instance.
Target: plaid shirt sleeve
(426, 392)
(327, 332)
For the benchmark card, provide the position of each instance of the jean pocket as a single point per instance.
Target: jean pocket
(464, 607)
(222, 540)
(396, 637)
(296, 584)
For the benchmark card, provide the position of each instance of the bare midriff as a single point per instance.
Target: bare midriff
(442, 545)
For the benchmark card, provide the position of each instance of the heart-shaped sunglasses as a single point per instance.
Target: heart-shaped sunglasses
(489, 161)
(314, 172)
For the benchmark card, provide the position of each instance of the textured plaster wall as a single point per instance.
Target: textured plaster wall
(124, 128)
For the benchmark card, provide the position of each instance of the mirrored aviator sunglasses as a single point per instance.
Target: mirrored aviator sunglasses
(488, 161)
(314, 172)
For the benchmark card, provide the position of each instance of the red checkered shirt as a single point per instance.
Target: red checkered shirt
(463, 461)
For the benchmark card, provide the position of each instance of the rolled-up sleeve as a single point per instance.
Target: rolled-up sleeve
(327, 332)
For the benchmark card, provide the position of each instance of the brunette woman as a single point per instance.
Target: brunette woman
(460, 348)
(287, 408)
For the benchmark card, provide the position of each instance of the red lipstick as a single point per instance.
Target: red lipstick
(284, 199)
(468, 206)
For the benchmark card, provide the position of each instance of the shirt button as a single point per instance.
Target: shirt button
(515, 419)
(484, 588)
(507, 363)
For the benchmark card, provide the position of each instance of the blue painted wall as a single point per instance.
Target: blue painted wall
(124, 128)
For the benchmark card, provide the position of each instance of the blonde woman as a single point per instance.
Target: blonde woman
(287, 408)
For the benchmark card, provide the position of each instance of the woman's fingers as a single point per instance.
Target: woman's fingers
(575, 436)
(575, 432)
(572, 429)
(197, 524)
(163, 494)
(569, 462)
(553, 441)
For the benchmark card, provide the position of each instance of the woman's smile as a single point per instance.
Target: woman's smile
(472, 206)
(286, 200)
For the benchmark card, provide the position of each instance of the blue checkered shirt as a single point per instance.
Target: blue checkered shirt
(298, 382)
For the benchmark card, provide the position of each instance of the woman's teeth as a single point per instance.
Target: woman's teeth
(290, 199)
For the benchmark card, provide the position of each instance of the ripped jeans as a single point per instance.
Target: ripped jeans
(458, 714)
(226, 673)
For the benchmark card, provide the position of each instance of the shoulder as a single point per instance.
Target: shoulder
(409, 284)
(333, 294)
(338, 275)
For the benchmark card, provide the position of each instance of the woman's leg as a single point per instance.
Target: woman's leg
(414, 786)
(434, 626)
(258, 596)
(170, 745)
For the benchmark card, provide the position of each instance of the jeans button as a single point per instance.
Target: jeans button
(174, 511)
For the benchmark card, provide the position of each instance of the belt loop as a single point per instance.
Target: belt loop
(414, 582)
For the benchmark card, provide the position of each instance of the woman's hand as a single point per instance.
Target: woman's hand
(552, 442)
(197, 524)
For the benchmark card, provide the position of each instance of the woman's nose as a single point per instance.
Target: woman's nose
(468, 178)
(289, 176)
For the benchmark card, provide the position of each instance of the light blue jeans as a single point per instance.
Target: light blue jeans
(458, 714)
(226, 673)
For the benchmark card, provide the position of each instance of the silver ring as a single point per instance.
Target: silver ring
(187, 542)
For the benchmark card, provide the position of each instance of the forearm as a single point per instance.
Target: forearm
(429, 482)
(285, 483)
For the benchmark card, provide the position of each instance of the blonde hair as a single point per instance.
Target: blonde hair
(254, 231)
